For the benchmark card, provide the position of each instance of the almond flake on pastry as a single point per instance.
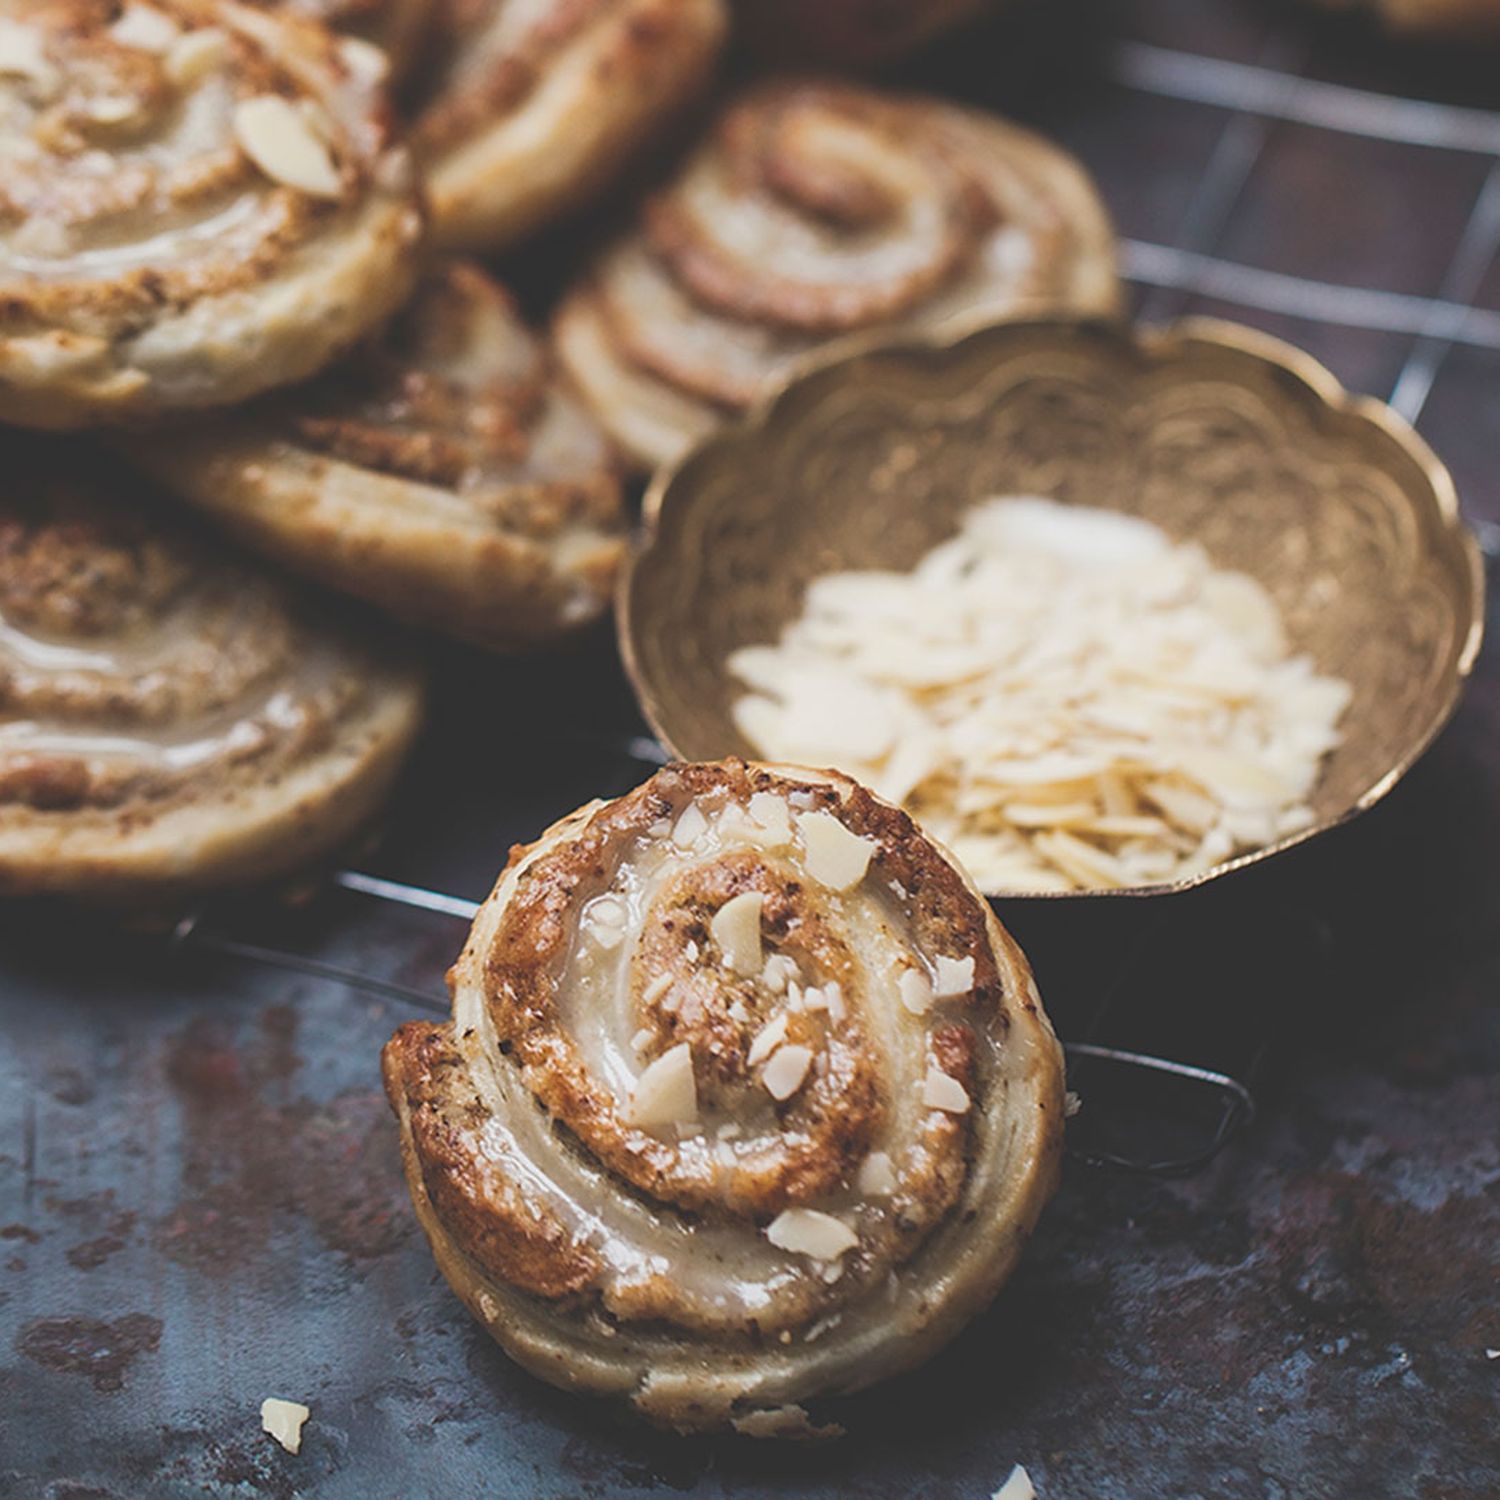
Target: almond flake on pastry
(691, 1194)
(171, 718)
(531, 106)
(445, 472)
(212, 250)
(812, 210)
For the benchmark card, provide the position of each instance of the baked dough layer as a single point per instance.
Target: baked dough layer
(537, 104)
(815, 211)
(171, 718)
(199, 201)
(870, 1125)
(445, 472)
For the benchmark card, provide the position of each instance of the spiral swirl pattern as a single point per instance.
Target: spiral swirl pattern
(444, 473)
(747, 1098)
(816, 210)
(199, 200)
(537, 102)
(169, 717)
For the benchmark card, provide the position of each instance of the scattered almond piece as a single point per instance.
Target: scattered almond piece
(773, 815)
(807, 1231)
(665, 1093)
(876, 1177)
(196, 56)
(283, 1420)
(23, 54)
(835, 857)
(145, 28)
(275, 135)
(942, 1091)
(1017, 1487)
(785, 1073)
(767, 1040)
(736, 929)
(955, 977)
(916, 991)
(780, 971)
(691, 825)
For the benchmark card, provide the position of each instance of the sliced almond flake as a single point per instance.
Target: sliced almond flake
(876, 1177)
(605, 921)
(773, 815)
(833, 1000)
(23, 54)
(1017, 1487)
(1050, 814)
(736, 929)
(691, 825)
(810, 1232)
(780, 971)
(767, 1040)
(1051, 682)
(836, 857)
(915, 989)
(786, 1071)
(365, 60)
(197, 55)
(642, 1039)
(941, 1090)
(275, 135)
(665, 1093)
(690, 952)
(656, 989)
(955, 977)
(145, 28)
(284, 1421)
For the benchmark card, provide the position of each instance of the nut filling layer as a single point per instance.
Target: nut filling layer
(747, 1097)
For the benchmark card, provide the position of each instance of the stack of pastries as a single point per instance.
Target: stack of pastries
(265, 401)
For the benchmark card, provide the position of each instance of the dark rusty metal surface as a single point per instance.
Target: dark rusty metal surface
(199, 1199)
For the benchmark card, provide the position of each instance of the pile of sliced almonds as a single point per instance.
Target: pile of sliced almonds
(1062, 694)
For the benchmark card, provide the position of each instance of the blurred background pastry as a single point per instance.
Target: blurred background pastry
(848, 33)
(747, 1099)
(815, 210)
(530, 108)
(1440, 18)
(198, 201)
(171, 718)
(445, 472)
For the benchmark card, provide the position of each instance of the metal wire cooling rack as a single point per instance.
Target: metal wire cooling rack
(1255, 99)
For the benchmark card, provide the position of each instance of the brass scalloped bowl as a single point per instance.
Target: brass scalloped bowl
(1215, 432)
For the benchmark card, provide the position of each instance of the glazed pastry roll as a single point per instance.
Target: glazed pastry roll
(444, 472)
(747, 1099)
(814, 211)
(199, 200)
(171, 719)
(535, 103)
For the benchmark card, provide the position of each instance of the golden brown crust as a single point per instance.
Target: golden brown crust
(818, 209)
(445, 472)
(168, 717)
(156, 260)
(535, 106)
(615, 1247)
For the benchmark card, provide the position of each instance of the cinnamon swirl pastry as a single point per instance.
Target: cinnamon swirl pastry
(815, 210)
(444, 473)
(199, 200)
(169, 718)
(536, 102)
(747, 1099)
